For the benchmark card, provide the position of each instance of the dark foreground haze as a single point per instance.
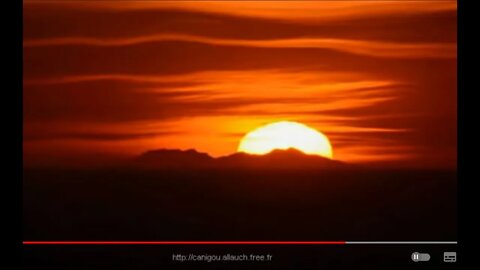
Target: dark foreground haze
(239, 204)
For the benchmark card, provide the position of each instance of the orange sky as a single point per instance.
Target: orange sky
(104, 79)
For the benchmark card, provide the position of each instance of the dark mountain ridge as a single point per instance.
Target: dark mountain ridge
(277, 159)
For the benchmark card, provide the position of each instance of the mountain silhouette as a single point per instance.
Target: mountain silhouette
(174, 158)
(277, 159)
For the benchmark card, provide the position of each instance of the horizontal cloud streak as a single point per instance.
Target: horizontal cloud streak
(362, 47)
(93, 136)
(306, 11)
(430, 23)
(123, 97)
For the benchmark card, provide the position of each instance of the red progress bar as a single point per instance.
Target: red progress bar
(184, 242)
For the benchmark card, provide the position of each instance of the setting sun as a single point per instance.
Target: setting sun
(284, 135)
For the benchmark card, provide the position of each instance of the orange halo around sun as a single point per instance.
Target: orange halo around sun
(284, 135)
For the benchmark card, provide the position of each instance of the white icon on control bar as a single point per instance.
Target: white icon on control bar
(420, 257)
(450, 256)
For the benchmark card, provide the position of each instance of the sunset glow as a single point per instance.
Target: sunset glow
(284, 135)
(117, 78)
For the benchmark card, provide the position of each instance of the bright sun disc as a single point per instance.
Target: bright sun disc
(284, 135)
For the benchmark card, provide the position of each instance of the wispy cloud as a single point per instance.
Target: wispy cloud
(102, 97)
(307, 11)
(93, 136)
(362, 47)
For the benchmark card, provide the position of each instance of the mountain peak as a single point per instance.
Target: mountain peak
(173, 158)
(279, 158)
(289, 152)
